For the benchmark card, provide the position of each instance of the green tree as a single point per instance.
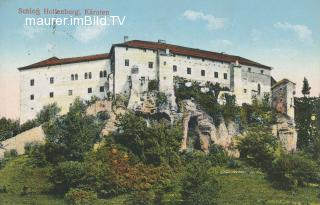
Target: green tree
(155, 144)
(8, 128)
(48, 112)
(74, 133)
(306, 88)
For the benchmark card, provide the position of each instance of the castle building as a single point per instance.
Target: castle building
(129, 67)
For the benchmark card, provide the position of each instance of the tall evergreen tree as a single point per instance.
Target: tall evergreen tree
(305, 88)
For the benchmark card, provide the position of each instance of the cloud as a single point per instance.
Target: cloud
(213, 23)
(302, 31)
(88, 33)
(221, 43)
(31, 31)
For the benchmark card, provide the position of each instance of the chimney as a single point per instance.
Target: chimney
(125, 38)
(161, 41)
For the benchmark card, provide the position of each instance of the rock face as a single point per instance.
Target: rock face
(201, 124)
(34, 135)
(205, 129)
(285, 130)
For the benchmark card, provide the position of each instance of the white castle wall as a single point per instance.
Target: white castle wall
(61, 86)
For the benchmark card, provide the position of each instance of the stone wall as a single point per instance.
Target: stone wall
(19, 141)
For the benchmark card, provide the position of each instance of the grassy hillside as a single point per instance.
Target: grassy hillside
(239, 186)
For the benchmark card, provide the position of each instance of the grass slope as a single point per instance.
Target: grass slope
(239, 186)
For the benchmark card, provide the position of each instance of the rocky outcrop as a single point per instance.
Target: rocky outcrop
(284, 129)
(205, 129)
(34, 135)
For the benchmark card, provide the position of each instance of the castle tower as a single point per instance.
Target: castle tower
(283, 97)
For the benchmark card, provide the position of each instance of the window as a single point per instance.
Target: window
(174, 68)
(203, 73)
(202, 59)
(249, 69)
(225, 75)
(76, 76)
(245, 90)
(89, 90)
(86, 76)
(90, 76)
(126, 62)
(105, 73)
(261, 71)
(101, 88)
(51, 94)
(31, 97)
(259, 89)
(164, 62)
(101, 74)
(189, 71)
(69, 92)
(144, 50)
(127, 48)
(51, 80)
(72, 77)
(32, 82)
(150, 65)
(188, 57)
(216, 75)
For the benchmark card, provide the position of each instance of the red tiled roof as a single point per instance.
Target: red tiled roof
(57, 61)
(180, 50)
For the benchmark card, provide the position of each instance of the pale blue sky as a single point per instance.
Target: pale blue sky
(283, 34)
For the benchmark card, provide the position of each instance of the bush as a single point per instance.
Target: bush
(66, 175)
(8, 128)
(291, 170)
(37, 153)
(259, 147)
(217, 155)
(141, 198)
(80, 197)
(198, 185)
(152, 85)
(161, 99)
(11, 153)
(29, 125)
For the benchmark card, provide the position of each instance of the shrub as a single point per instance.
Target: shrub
(66, 175)
(8, 128)
(37, 153)
(291, 170)
(152, 85)
(161, 99)
(29, 125)
(80, 197)
(11, 153)
(217, 155)
(259, 147)
(198, 185)
(141, 198)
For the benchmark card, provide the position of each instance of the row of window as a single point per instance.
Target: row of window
(51, 94)
(88, 75)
